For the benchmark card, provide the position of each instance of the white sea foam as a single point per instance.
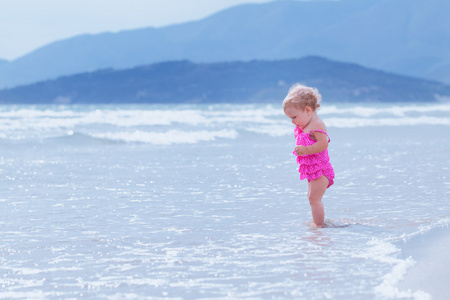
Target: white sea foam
(12, 112)
(430, 273)
(385, 252)
(18, 123)
(272, 130)
(122, 118)
(396, 110)
(388, 290)
(444, 222)
(25, 119)
(405, 121)
(169, 137)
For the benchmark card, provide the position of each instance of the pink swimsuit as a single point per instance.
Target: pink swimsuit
(313, 166)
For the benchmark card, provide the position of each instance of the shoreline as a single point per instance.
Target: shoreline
(432, 263)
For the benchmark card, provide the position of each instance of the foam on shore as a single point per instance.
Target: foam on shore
(432, 263)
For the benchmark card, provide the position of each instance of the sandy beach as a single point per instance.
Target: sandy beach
(432, 263)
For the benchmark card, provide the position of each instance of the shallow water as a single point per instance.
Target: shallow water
(205, 201)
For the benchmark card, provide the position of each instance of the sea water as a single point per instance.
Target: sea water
(205, 201)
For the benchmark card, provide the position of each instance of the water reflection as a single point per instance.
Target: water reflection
(318, 237)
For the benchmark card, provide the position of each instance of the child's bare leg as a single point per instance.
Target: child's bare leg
(316, 189)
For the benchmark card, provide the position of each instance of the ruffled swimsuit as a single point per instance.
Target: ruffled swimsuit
(313, 166)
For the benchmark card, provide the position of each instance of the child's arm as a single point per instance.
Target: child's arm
(319, 146)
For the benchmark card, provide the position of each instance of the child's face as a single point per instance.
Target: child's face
(298, 116)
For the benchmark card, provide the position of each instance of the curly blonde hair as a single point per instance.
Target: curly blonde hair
(301, 96)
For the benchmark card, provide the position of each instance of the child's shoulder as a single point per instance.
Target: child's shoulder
(317, 128)
(318, 124)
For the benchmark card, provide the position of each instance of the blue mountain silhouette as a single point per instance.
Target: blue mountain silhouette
(410, 37)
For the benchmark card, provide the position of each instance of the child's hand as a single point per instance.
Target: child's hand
(300, 150)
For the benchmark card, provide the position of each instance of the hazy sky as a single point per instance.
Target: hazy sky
(28, 24)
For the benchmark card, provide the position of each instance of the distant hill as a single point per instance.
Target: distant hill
(3, 61)
(410, 37)
(231, 82)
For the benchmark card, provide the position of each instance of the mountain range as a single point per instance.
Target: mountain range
(410, 37)
(228, 82)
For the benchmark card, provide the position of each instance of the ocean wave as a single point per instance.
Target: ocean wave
(31, 122)
(283, 128)
(25, 118)
(272, 130)
(364, 122)
(395, 110)
(122, 118)
(21, 113)
(167, 138)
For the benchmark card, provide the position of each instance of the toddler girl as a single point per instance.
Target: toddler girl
(300, 106)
